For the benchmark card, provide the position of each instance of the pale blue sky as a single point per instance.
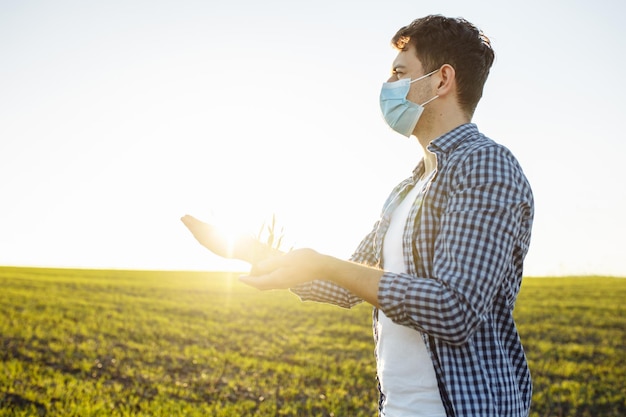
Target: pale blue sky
(118, 117)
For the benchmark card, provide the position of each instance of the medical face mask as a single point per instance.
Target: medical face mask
(399, 113)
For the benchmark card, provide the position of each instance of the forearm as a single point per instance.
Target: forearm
(361, 280)
(298, 267)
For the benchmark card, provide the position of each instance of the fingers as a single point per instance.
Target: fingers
(190, 221)
(259, 282)
(266, 266)
(270, 274)
(276, 280)
(208, 236)
(195, 226)
(284, 271)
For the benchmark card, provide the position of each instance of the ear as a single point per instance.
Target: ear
(447, 80)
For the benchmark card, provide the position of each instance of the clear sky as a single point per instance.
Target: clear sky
(119, 117)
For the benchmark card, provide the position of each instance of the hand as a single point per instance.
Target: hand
(286, 271)
(209, 236)
(244, 248)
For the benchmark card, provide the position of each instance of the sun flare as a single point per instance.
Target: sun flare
(233, 227)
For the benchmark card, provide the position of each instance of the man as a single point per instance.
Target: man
(443, 264)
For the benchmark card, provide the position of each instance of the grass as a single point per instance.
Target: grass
(574, 333)
(148, 343)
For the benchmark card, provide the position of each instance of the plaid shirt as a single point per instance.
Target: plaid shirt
(464, 250)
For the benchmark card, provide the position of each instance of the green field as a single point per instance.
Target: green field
(136, 343)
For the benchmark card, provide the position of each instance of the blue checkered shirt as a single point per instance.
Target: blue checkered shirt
(464, 249)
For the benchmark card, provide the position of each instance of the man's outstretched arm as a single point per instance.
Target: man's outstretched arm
(304, 265)
(272, 269)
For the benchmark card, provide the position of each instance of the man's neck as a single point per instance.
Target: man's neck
(438, 127)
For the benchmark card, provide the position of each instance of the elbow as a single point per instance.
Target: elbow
(460, 329)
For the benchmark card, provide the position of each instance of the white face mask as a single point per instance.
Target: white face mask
(399, 113)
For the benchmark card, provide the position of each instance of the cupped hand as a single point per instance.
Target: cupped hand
(286, 271)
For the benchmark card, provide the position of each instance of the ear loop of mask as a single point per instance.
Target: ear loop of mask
(421, 78)
(424, 76)
(428, 101)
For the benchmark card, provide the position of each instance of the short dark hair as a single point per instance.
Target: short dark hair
(440, 40)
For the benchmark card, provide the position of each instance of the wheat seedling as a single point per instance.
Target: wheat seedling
(271, 235)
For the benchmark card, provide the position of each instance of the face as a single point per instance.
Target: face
(407, 65)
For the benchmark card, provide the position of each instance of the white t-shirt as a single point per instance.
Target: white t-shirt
(405, 370)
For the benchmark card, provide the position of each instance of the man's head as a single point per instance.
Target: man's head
(439, 40)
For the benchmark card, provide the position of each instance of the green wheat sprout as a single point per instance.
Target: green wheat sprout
(272, 235)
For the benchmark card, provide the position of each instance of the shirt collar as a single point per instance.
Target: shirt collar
(449, 141)
(446, 143)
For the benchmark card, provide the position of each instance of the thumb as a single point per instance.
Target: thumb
(266, 266)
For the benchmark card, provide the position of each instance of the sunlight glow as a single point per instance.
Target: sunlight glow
(117, 121)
